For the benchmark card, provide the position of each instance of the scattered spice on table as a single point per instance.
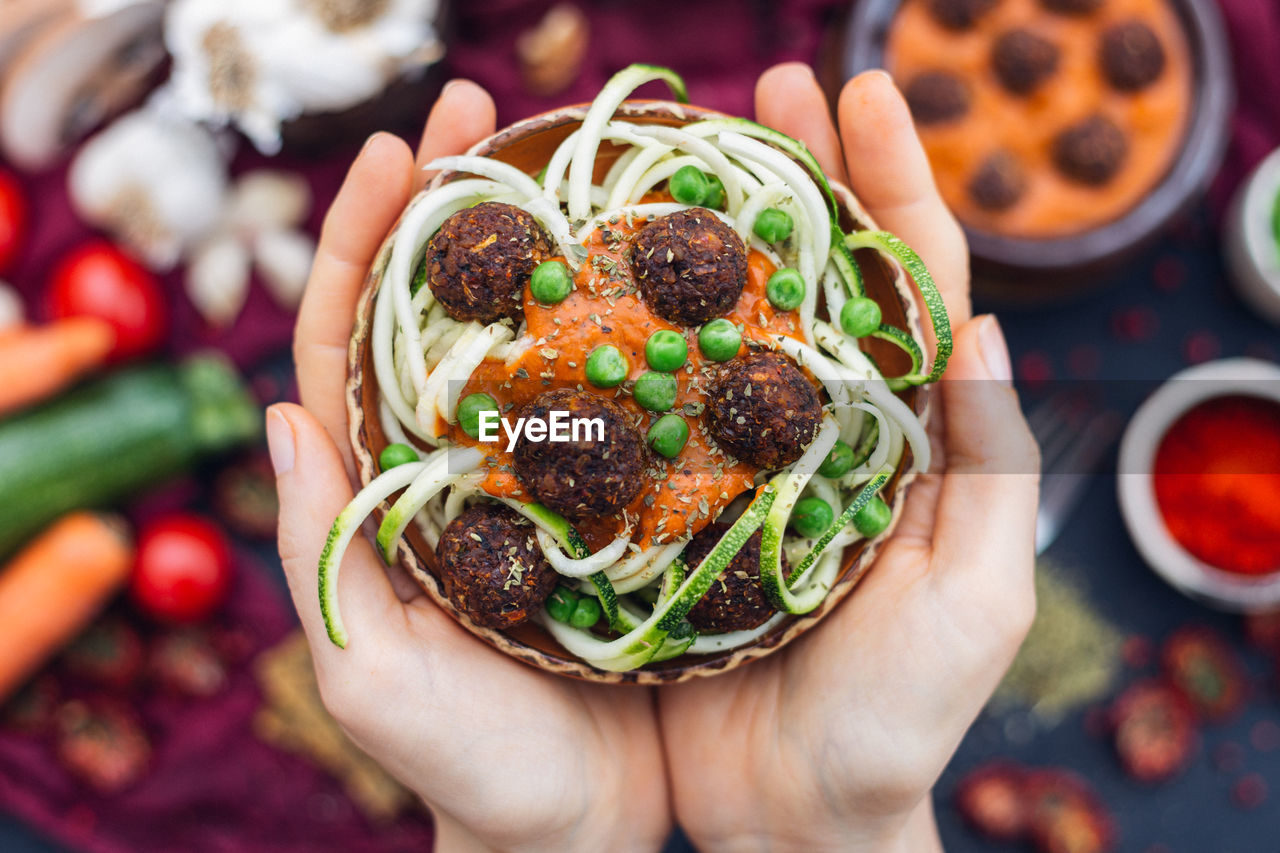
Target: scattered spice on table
(1071, 655)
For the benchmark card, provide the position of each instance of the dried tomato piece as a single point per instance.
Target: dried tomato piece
(109, 653)
(186, 662)
(991, 800)
(1066, 815)
(1154, 731)
(31, 709)
(244, 496)
(1200, 664)
(102, 744)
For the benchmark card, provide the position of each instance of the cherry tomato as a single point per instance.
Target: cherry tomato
(13, 220)
(99, 280)
(183, 569)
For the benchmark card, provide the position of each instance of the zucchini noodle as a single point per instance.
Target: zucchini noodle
(423, 358)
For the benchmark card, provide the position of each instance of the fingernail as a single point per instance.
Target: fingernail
(368, 143)
(452, 84)
(995, 352)
(279, 442)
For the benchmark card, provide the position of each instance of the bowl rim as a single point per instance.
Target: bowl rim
(1203, 146)
(417, 567)
(1136, 490)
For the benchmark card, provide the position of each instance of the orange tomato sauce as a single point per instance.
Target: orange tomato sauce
(680, 496)
(1153, 119)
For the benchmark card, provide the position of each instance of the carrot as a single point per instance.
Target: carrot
(55, 586)
(37, 361)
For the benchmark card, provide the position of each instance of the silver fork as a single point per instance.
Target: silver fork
(1073, 437)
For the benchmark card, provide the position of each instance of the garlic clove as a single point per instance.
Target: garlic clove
(75, 74)
(266, 200)
(552, 52)
(283, 259)
(217, 279)
(157, 183)
(12, 311)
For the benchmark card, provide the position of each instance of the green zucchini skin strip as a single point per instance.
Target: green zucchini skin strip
(883, 241)
(340, 535)
(649, 73)
(783, 593)
(911, 347)
(418, 493)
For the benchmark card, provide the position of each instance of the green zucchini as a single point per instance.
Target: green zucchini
(107, 440)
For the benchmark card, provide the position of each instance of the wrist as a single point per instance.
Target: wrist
(913, 832)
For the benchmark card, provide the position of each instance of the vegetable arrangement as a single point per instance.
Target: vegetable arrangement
(625, 604)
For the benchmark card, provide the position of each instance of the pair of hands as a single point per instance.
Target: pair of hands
(832, 743)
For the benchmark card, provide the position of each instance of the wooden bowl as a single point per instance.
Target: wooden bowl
(528, 145)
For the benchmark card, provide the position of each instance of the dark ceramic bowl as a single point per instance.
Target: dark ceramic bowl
(528, 146)
(1036, 270)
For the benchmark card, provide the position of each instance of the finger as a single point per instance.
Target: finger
(986, 517)
(789, 99)
(372, 196)
(890, 173)
(463, 115)
(313, 490)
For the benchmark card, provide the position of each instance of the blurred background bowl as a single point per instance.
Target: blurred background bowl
(1136, 487)
(1037, 270)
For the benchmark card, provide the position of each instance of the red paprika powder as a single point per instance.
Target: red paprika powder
(1217, 483)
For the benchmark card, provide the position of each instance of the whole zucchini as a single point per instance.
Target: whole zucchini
(115, 436)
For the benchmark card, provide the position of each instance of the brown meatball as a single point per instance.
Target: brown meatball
(480, 260)
(998, 183)
(587, 478)
(1090, 151)
(492, 567)
(936, 97)
(958, 14)
(735, 601)
(691, 266)
(1023, 60)
(1131, 56)
(1072, 7)
(763, 410)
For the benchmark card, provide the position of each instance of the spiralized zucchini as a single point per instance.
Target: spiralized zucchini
(422, 358)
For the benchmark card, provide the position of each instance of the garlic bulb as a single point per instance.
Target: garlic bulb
(156, 183)
(259, 63)
(217, 280)
(283, 260)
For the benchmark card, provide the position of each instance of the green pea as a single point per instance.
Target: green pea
(689, 185)
(838, 461)
(773, 225)
(666, 350)
(585, 613)
(550, 282)
(396, 454)
(469, 410)
(719, 340)
(668, 435)
(607, 366)
(860, 317)
(561, 604)
(785, 289)
(873, 518)
(812, 517)
(714, 199)
(655, 391)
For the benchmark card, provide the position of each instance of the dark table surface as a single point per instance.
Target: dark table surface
(1161, 311)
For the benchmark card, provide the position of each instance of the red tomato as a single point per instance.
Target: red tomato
(183, 569)
(13, 220)
(99, 280)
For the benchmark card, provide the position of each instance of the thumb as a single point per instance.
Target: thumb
(987, 505)
(312, 484)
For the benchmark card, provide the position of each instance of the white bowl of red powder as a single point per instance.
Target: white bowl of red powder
(1199, 483)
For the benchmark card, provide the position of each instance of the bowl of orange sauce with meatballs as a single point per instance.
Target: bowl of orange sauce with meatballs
(1063, 134)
